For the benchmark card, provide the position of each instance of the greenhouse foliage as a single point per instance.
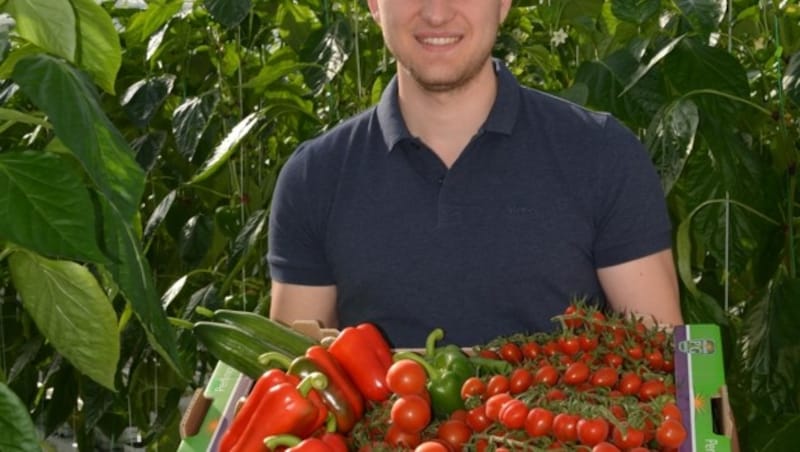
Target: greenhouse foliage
(140, 142)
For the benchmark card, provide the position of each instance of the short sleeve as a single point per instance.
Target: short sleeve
(297, 225)
(630, 210)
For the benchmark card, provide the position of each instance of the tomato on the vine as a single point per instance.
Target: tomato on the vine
(605, 377)
(635, 351)
(406, 376)
(670, 410)
(572, 316)
(576, 373)
(592, 431)
(588, 342)
(651, 389)
(477, 419)
(565, 427)
(433, 445)
(671, 433)
(454, 433)
(605, 447)
(546, 374)
(569, 345)
(520, 380)
(472, 387)
(539, 422)
(530, 350)
(629, 383)
(513, 413)
(630, 438)
(655, 359)
(510, 352)
(395, 436)
(613, 359)
(497, 384)
(553, 394)
(410, 413)
(495, 403)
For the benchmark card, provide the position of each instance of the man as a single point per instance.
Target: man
(465, 201)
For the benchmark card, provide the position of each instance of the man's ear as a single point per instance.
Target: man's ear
(375, 10)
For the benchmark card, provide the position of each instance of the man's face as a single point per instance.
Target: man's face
(441, 44)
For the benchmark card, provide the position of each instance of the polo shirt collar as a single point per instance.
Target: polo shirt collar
(501, 118)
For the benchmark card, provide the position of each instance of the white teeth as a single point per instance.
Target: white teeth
(440, 41)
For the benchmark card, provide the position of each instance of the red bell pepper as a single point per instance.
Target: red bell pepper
(337, 377)
(296, 444)
(366, 357)
(284, 408)
(340, 397)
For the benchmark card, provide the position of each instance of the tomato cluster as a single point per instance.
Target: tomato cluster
(602, 382)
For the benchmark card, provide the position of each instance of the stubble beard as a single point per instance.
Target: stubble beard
(441, 85)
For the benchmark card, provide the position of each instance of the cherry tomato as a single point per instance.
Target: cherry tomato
(670, 410)
(635, 352)
(477, 419)
(497, 384)
(555, 394)
(605, 377)
(572, 317)
(530, 350)
(592, 431)
(513, 413)
(670, 433)
(410, 413)
(550, 348)
(539, 422)
(655, 359)
(511, 353)
(490, 354)
(605, 447)
(631, 437)
(651, 389)
(569, 345)
(565, 427)
(406, 376)
(630, 383)
(433, 446)
(576, 373)
(613, 360)
(473, 387)
(454, 432)
(398, 437)
(495, 403)
(588, 341)
(547, 374)
(520, 380)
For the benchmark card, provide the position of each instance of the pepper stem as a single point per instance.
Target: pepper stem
(270, 358)
(314, 380)
(432, 372)
(430, 343)
(275, 441)
(495, 366)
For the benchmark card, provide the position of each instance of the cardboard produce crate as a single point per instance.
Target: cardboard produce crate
(701, 391)
(701, 394)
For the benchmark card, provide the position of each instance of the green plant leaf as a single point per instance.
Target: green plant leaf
(7, 114)
(229, 13)
(17, 432)
(72, 312)
(46, 207)
(145, 23)
(142, 100)
(791, 79)
(635, 11)
(704, 15)
(79, 121)
(670, 139)
(195, 239)
(132, 272)
(225, 149)
(99, 51)
(158, 215)
(50, 24)
(247, 239)
(190, 120)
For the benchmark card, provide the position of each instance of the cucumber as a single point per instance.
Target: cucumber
(278, 335)
(234, 346)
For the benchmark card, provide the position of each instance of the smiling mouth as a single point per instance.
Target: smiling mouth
(440, 40)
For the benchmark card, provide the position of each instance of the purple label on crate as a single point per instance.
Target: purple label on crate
(683, 385)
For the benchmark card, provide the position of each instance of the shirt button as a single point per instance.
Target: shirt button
(440, 180)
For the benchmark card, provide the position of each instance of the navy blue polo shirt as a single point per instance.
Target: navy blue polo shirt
(545, 193)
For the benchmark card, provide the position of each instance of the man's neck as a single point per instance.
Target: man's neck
(446, 121)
